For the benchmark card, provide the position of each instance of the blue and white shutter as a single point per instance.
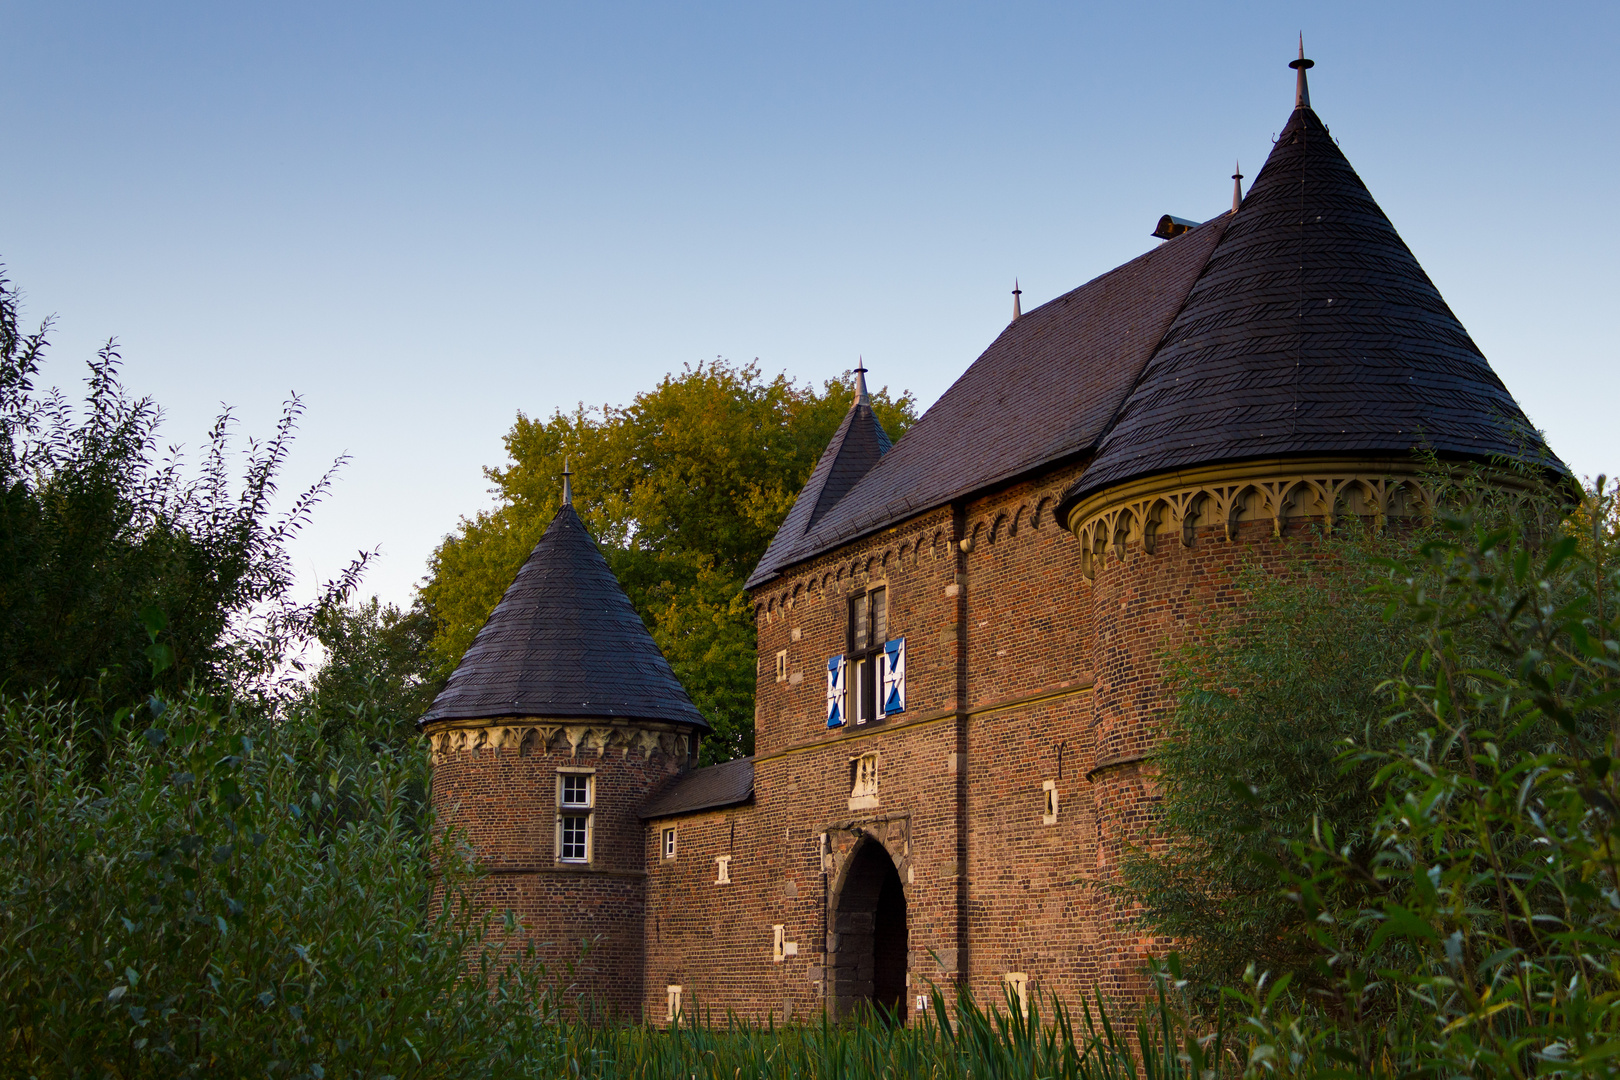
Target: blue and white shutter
(835, 692)
(893, 660)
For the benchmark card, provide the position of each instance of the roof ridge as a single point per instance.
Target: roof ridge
(1065, 364)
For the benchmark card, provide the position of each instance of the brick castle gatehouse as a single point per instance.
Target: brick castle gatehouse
(960, 634)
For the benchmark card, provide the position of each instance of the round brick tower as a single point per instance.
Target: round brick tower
(1310, 359)
(558, 724)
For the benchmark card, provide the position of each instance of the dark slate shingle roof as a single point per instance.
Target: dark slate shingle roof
(564, 642)
(855, 447)
(704, 789)
(1045, 389)
(1313, 330)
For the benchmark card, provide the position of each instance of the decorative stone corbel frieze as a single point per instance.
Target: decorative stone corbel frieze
(1172, 507)
(555, 737)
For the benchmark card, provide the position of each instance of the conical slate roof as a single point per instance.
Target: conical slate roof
(856, 446)
(564, 642)
(1312, 330)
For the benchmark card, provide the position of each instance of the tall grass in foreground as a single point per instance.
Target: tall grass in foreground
(971, 1041)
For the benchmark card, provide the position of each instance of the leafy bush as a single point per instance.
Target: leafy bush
(1251, 758)
(1495, 868)
(225, 900)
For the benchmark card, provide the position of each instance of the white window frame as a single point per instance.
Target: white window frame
(778, 943)
(667, 842)
(672, 1002)
(722, 865)
(1049, 802)
(782, 665)
(571, 810)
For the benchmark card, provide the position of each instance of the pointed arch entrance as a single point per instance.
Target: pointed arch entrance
(868, 959)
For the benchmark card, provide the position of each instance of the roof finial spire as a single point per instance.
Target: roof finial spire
(568, 487)
(1018, 309)
(1237, 186)
(861, 396)
(1302, 90)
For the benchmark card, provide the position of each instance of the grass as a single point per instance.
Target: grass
(973, 1041)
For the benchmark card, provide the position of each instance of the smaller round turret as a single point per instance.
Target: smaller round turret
(559, 723)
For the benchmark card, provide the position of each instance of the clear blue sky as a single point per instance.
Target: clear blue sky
(425, 218)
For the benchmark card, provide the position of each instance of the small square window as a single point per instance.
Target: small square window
(669, 843)
(573, 846)
(576, 789)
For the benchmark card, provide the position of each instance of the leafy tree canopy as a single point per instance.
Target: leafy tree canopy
(683, 489)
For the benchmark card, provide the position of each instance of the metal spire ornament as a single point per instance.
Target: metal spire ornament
(1302, 90)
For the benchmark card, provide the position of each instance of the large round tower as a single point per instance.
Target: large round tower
(558, 724)
(1309, 361)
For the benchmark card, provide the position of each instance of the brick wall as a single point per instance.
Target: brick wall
(506, 801)
(1020, 671)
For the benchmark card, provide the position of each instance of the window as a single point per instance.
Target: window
(722, 865)
(863, 782)
(669, 843)
(781, 666)
(867, 681)
(672, 995)
(868, 629)
(778, 944)
(1049, 802)
(576, 797)
(1017, 984)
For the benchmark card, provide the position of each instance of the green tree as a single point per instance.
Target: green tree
(371, 680)
(683, 489)
(112, 556)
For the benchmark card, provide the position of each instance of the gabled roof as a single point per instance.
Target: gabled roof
(1044, 390)
(856, 446)
(1312, 330)
(564, 642)
(710, 788)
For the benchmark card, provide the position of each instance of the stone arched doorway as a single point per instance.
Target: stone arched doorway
(868, 960)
